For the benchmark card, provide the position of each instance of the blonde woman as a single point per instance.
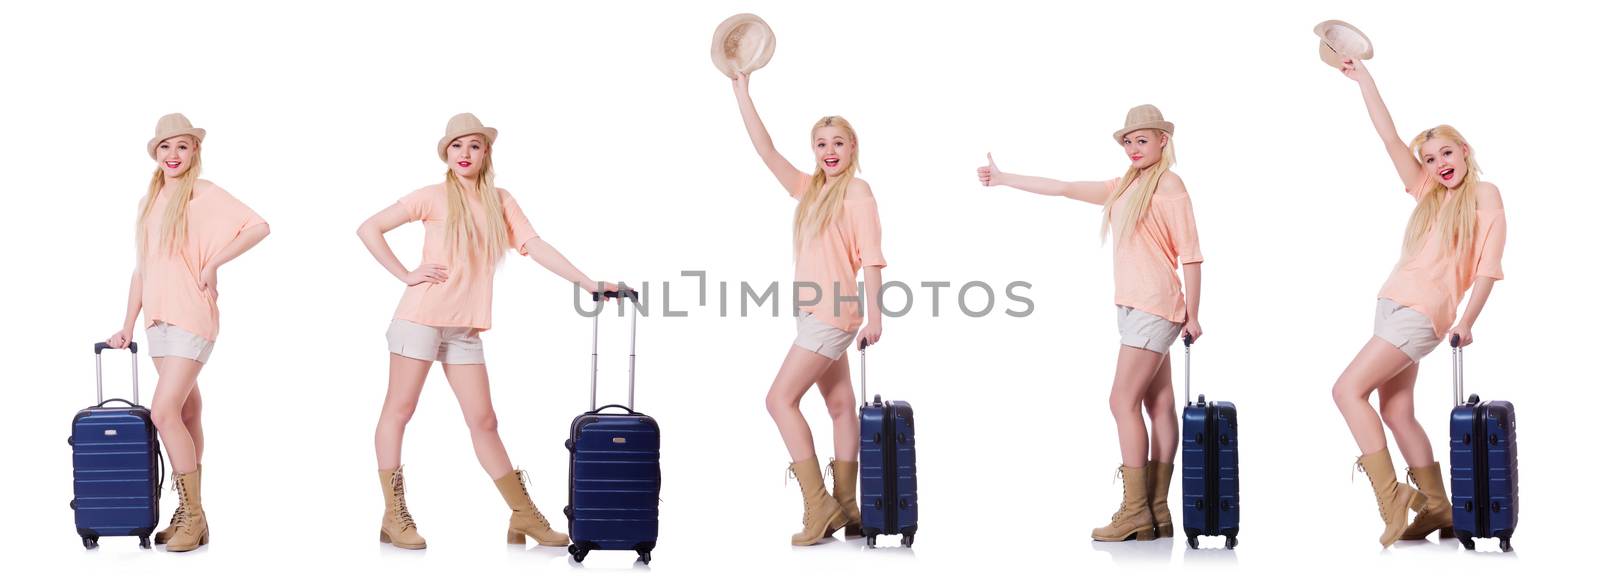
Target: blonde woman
(1152, 230)
(468, 224)
(1453, 242)
(187, 229)
(836, 235)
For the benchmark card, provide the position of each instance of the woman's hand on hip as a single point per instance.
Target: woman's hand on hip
(432, 273)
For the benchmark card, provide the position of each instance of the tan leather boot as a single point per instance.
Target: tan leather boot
(1133, 520)
(1394, 498)
(526, 519)
(1435, 514)
(398, 528)
(822, 513)
(1158, 485)
(192, 531)
(163, 535)
(844, 491)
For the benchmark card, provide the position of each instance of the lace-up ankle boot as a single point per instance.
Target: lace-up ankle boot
(192, 531)
(398, 528)
(1133, 520)
(526, 520)
(1394, 498)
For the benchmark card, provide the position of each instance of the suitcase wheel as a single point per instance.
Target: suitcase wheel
(144, 542)
(1194, 542)
(578, 553)
(1467, 542)
(907, 539)
(91, 542)
(1231, 542)
(644, 557)
(872, 541)
(1505, 544)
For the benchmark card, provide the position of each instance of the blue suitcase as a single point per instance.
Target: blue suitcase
(1210, 466)
(116, 465)
(614, 474)
(888, 477)
(1483, 465)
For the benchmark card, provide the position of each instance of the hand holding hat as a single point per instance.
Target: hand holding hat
(1340, 42)
(742, 44)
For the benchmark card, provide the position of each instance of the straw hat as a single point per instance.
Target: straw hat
(742, 44)
(173, 125)
(462, 125)
(1143, 116)
(1340, 40)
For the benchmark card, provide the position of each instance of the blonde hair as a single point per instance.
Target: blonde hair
(465, 239)
(818, 208)
(1460, 216)
(1139, 200)
(175, 219)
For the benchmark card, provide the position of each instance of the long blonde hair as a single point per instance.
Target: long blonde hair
(466, 240)
(1139, 200)
(175, 219)
(1461, 217)
(819, 208)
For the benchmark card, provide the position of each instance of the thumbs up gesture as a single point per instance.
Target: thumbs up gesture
(989, 175)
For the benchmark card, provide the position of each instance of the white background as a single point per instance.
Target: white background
(624, 146)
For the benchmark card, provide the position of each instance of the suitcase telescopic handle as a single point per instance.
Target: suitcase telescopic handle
(1187, 341)
(99, 386)
(594, 353)
(862, 345)
(1456, 373)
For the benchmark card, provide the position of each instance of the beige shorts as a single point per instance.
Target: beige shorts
(1146, 331)
(821, 338)
(167, 339)
(1408, 330)
(441, 344)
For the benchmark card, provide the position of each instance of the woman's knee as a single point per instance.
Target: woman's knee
(166, 417)
(1398, 416)
(483, 422)
(398, 413)
(1345, 392)
(779, 404)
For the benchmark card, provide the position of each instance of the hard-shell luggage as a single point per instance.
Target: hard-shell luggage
(1210, 466)
(117, 467)
(1483, 464)
(614, 475)
(888, 477)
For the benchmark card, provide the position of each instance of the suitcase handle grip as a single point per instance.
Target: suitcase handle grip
(1456, 373)
(602, 409)
(99, 346)
(629, 293)
(111, 400)
(99, 386)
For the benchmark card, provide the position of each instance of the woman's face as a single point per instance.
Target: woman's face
(466, 155)
(1144, 147)
(176, 155)
(834, 149)
(1446, 160)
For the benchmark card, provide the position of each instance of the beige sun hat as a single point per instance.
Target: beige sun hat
(1340, 40)
(742, 44)
(462, 125)
(1143, 116)
(173, 125)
